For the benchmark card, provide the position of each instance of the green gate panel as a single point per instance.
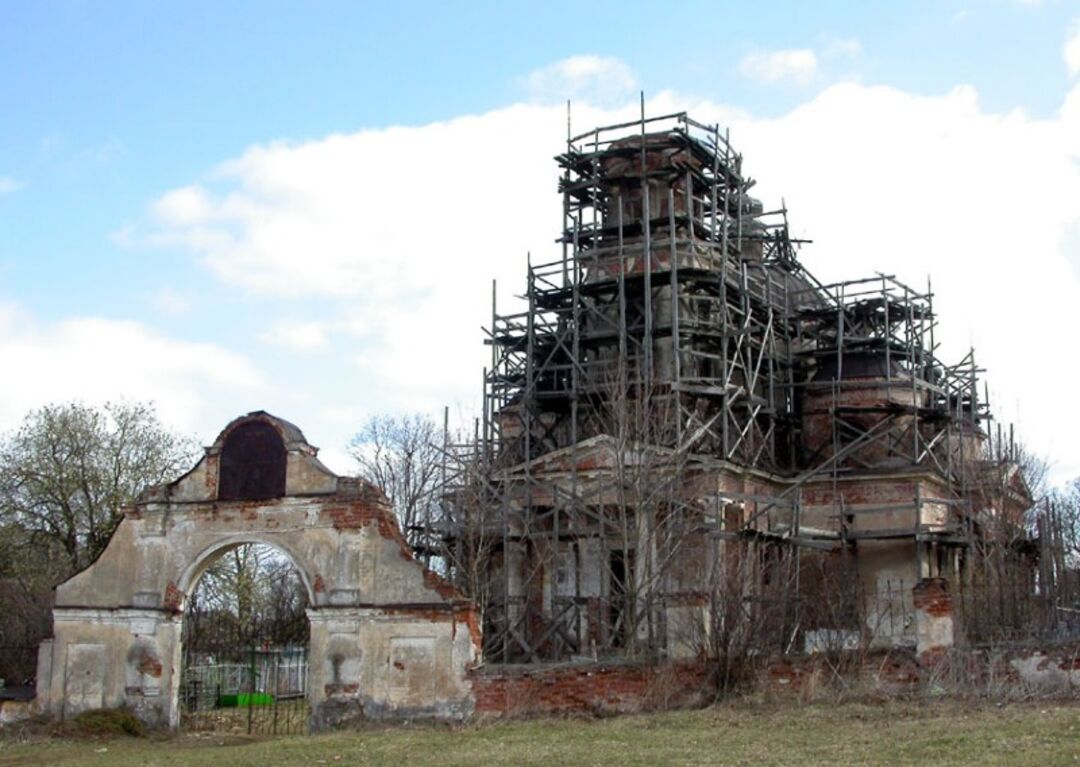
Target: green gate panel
(245, 700)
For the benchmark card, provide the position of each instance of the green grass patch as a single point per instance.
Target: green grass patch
(942, 733)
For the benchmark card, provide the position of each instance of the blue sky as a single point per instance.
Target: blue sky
(231, 206)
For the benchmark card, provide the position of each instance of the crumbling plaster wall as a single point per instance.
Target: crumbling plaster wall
(388, 638)
(880, 512)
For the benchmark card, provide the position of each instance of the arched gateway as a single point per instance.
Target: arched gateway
(388, 638)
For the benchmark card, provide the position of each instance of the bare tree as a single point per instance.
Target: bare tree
(28, 571)
(1035, 470)
(1060, 555)
(745, 609)
(401, 455)
(68, 470)
(1062, 513)
(651, 521)
(65, 474)
(251, 595)
(466, 528)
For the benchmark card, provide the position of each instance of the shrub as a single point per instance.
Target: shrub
(109, 721)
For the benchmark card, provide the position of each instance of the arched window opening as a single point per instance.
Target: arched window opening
(253, 462)
(245, 645)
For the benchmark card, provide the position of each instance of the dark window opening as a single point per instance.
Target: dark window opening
(621, 568)
(252, 464)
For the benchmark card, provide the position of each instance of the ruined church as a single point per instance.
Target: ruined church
(688, 443)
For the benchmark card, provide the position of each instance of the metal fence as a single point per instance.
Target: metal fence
(1014, 611)
(262, 692)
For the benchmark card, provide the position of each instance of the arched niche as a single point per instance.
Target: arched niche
(253, 463)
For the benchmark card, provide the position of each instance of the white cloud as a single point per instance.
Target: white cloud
(884, 180)
(845, 47)
(297, 335)
(597, 79)
(405, 227)
(9, 185)
(170, 301)
(1072, 49)
(798, 65)
(196, 386)
(183, 206)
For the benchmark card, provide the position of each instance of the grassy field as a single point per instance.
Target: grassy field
(940, 733)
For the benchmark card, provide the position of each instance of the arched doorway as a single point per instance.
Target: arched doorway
(245, 640)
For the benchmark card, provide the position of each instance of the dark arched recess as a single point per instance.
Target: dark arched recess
(252, 463)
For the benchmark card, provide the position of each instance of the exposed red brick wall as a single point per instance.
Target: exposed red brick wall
(174, 597)
(869, 491)
(889, 672)
(627, 688)
(372, 509)
(932, 596)
(591, 688)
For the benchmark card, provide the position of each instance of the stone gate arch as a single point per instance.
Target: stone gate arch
(227, 650)
(388, 638)
(189, 579)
